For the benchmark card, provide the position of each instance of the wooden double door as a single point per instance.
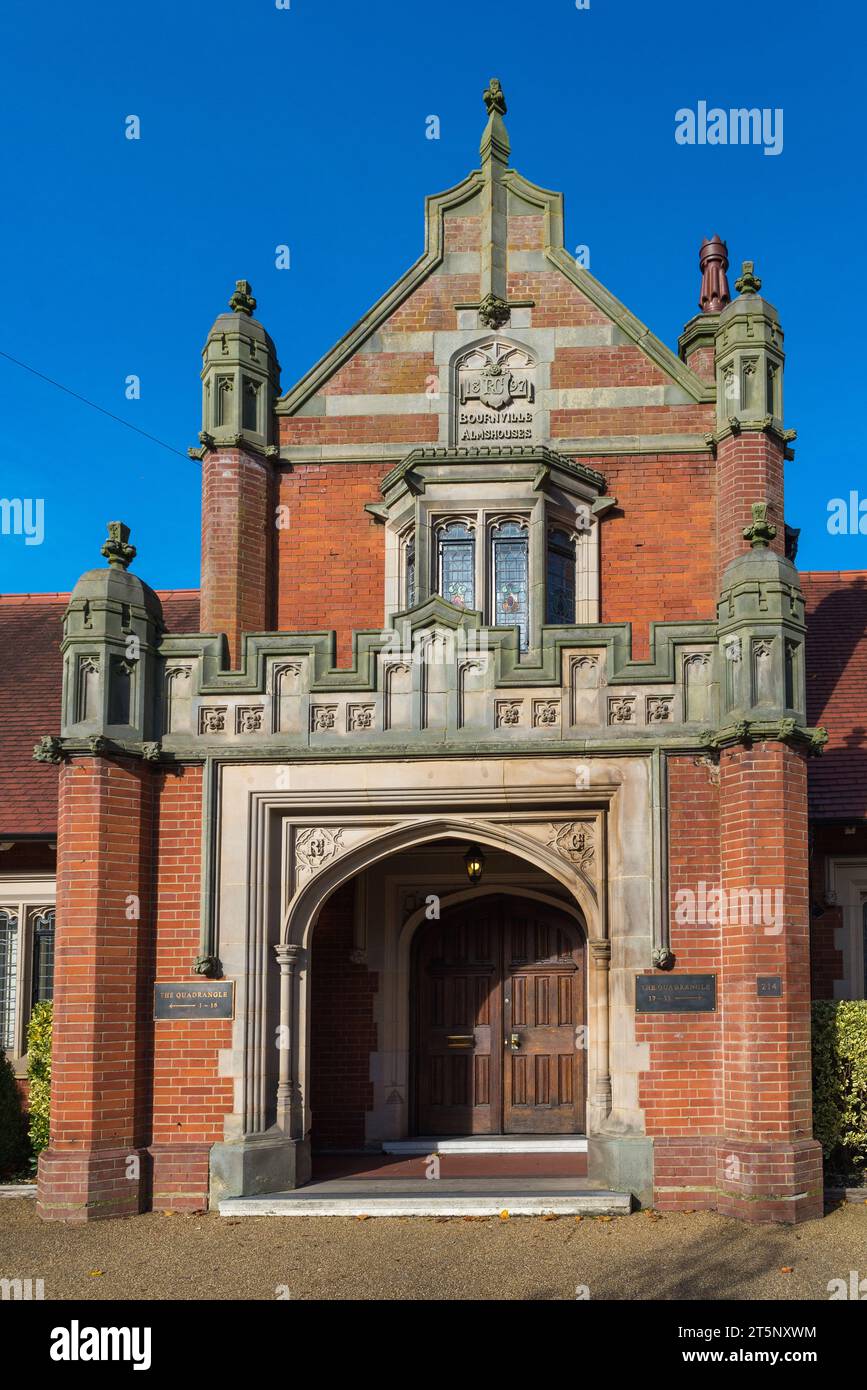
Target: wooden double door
(499, 991)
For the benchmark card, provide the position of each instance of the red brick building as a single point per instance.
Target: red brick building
(473, 786)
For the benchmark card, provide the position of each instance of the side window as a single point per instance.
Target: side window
(510, 577)
(560, 583)
(456, 564)
(26, 968)
(8, 976)
(42, 938)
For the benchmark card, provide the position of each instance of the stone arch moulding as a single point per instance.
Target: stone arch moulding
(304, 907)
(583, 902)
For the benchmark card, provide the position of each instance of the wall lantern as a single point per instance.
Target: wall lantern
(475, 862)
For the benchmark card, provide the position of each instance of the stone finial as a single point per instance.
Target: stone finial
(762, 531)
(748, 282)
(116, 549)
(494, 98)
(242, 301)
(713, 260)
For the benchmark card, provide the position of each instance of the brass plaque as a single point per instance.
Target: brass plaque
(675, 994)
(195, 999)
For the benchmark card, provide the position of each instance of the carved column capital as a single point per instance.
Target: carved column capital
(288, 955)
(600, 953)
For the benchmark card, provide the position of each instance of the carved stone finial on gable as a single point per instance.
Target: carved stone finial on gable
(748, 282)
(495, 98)
(116, 549)
(713, 260)
(494, 311)
(242, 301)
(762, 531)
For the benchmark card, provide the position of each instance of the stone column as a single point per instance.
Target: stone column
(600, 1081)
(289, 1105)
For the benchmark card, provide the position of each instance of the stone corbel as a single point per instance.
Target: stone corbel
(746, 732)
(49, 749)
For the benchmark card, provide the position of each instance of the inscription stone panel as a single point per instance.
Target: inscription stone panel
(496, 396)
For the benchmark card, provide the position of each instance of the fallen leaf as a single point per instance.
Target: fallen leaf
(787, 1269)
(95, 1273)
(362, 1217)
(579, 1218)
(603, 1218)
(504, 1216)
(549, 1216)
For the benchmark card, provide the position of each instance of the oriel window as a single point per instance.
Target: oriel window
(560, 577)
(510, 576)
(456, 564)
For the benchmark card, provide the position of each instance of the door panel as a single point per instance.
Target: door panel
(458, 974)
(543, 1089)
(499, 986)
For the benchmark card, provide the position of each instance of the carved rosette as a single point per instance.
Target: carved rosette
(575, 842)
(315, 847)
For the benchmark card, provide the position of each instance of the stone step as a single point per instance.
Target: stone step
(447, 1197)
(490, 1144)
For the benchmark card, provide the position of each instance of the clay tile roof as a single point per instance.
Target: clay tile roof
(837, 690)
(31, 627)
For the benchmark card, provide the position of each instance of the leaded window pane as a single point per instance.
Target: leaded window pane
(511, 585)
(8, 976)
(42, 925)
(457, 565)
(561, 578)
(409, 572)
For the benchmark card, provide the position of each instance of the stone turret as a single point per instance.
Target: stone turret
(749, 357)
(761, 633)
(111, 630)
(240, 379)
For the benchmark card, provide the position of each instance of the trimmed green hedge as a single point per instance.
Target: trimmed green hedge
(13, 1126)
(840, 1085)
(39, 1074)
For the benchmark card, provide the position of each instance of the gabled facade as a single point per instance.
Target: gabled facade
(493, 743)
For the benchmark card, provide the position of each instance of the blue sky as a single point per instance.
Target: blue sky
(263, 126)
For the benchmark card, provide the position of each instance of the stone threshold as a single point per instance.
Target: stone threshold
(489, 1144)
(444, 1197)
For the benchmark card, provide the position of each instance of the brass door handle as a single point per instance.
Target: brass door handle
(513, 1041)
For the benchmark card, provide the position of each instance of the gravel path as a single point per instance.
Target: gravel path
(643, 1256)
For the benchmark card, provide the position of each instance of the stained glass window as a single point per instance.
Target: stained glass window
(8, 976)
(409, 572)
(42, 923)
(511, 587)
(456, 548)
(561, 578)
